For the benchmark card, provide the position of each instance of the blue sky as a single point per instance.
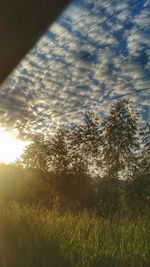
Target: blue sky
(95, 50)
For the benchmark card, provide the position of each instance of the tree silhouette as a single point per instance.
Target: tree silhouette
(119, 139)
(70, 172)
(144, 162)
(37, 154)
(86, 135)
(111, 148)
(138, 189)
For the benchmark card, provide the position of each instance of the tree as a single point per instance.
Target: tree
(144, 161)
(60, 153)
(71, 179)
(86, 141)
(86, 136)
(138, 189)
(119, 139)
(37, 154)
(108, 196)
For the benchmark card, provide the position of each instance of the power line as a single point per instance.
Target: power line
(83, 17)
(87, 106)
(98, 102)
(78, 22)
(89, 56)
(102, 49)
(94, 26)
(97, 50)
(98, 24)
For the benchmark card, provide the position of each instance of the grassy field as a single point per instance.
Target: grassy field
(30, 237)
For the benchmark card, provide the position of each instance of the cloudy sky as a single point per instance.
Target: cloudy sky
(96, 50)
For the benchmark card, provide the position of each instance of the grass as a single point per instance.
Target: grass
(31, 237)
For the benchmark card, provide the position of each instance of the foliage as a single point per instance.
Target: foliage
(119, 137)
(55, 211)
(26, 186)
(144, 161)
(98, 164)
(33, 237)
(108, 197)
(87, 136)
(138, 193)
(37, 153)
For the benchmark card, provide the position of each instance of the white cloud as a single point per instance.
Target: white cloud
(88, 66)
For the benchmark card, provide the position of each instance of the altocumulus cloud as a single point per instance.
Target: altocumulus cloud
(94, 51)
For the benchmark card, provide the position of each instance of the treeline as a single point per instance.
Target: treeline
(102, 165)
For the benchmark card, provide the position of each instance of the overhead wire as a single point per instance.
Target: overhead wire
(75, 110)
(99, 102)
(97, 50)
(109, 99)
(82, 19)
(117, 41)
(106, 45)
(97, 24)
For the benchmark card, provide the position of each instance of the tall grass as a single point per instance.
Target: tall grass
(31, 237)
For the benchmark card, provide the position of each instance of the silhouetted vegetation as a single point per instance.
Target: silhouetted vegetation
(81, 196)
(102, 165)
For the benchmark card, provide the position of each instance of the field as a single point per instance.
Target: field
(35, 237)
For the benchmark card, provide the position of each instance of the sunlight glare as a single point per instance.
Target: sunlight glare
(11, 148)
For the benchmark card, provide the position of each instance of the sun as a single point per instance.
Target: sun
(11, 148)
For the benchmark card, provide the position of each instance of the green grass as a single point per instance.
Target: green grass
(30, 237)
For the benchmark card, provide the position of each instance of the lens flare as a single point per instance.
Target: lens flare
(11, 148)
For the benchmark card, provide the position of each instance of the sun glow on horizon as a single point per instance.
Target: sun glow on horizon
(11, 148)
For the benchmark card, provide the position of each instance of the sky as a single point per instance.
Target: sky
(94, 51)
